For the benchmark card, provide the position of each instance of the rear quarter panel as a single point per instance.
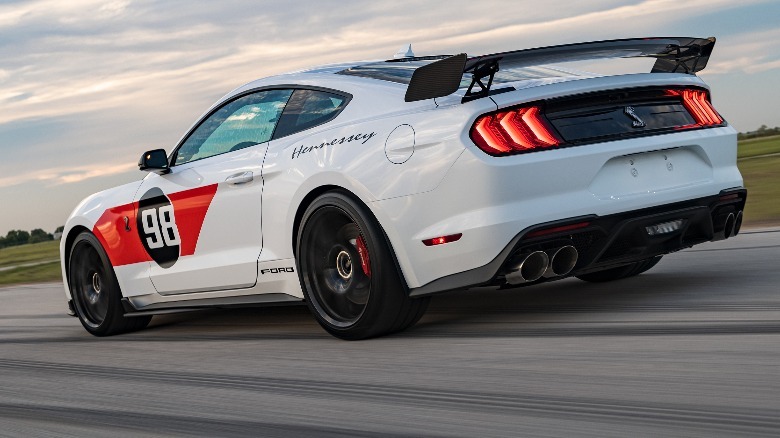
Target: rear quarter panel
(297, 165)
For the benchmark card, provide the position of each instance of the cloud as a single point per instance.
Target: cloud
(88, 67)
(67, 175)
(66, 12)
(11, 15)
(749, 52)
(123, 76)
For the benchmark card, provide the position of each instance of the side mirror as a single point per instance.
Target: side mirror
(155, 161)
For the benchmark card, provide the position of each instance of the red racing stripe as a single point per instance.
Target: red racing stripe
(124, 247)
(190, 207)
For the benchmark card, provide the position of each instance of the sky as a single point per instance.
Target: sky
(87, 86)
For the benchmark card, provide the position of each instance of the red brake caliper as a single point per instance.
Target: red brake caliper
(365, 262)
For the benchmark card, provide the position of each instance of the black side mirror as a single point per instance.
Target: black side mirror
(155, 161)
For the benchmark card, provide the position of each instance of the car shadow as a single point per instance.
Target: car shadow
(492, 312)
(482, 311)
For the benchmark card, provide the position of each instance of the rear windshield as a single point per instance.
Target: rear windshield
(401, 72)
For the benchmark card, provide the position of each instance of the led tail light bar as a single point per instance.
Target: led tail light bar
(526, 128)
(513, 131)
(697, 102)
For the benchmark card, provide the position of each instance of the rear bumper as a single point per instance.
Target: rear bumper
(608, 241)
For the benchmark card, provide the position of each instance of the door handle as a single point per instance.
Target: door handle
(240, 178)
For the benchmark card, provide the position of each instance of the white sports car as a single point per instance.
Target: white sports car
(364, 188)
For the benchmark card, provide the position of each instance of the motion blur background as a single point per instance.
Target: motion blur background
(86, 86)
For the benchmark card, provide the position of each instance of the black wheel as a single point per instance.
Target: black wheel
(95, 290)
(349, 278)
(618, 273)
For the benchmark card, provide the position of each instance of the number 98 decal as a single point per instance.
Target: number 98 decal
(156, 225)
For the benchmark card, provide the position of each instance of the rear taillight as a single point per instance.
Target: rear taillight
(526, 128)
(514, 131)
(697, 102)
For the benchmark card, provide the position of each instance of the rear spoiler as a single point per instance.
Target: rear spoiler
(443, 77)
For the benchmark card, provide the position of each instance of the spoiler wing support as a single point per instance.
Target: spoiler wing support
(481, 71)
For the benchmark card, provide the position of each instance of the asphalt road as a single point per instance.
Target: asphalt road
(691, 348)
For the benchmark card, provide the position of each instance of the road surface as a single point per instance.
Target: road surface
(691, 348)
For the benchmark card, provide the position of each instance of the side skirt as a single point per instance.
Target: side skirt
(260, 300)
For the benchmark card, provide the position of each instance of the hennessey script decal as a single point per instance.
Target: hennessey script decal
(300, 150)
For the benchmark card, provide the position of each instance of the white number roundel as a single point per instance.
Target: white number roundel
(156, 224)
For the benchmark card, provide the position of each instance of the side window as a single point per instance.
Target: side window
(309, 108)
(243, 122)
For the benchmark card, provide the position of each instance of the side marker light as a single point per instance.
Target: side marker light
(442, 240)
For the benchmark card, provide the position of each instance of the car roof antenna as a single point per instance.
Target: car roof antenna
(404, 52)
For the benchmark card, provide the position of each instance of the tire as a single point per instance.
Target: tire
(350, 280)
(621, 272)
(95, 290)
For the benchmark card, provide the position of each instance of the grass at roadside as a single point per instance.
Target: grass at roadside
(759, 146)
(31, 274)
(762, 180)
(36, 252)
(46, 253)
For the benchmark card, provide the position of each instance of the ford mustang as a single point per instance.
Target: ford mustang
(364, 188)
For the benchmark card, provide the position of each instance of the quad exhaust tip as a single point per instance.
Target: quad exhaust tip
(737, 223)
(728, 230)
(562, 261)
(538, 264)
(528, 268)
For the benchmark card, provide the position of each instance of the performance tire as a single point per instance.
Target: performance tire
(350, 280)
(95, 290)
